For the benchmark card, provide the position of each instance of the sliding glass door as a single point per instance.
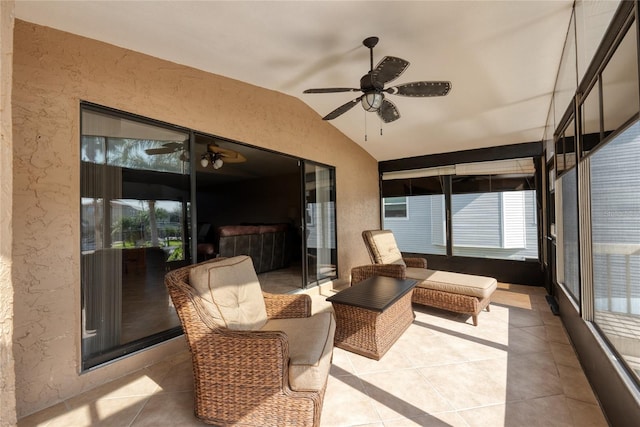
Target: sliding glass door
(320, 260)
(134, 212)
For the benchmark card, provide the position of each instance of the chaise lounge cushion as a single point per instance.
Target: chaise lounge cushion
(455, 283)
(310, 348)
(384, 247)
(232, 297)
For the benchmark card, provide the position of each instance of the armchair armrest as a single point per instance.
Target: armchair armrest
(286, 306)
(362, 272)
(415, 262)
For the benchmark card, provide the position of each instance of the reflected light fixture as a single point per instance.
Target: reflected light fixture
(371, 101)
(215, 159)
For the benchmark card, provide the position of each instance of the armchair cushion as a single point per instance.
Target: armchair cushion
(230, 293)
(383, 247)
(310, 348)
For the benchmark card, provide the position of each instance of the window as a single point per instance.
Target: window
(395, 207)
(135, 226)
(418, 221)
(567, 233)
(499, 225)
(615, 229)
(493, 209)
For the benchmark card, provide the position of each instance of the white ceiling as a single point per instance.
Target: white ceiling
(502, 57)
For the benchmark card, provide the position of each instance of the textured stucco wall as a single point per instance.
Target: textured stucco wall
(53, 71)
(7, 372)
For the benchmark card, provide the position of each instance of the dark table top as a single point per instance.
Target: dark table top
(375, 293)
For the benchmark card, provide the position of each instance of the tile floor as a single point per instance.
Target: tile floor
(516, 368)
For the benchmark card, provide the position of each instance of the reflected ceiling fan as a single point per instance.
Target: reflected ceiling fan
(373, 90)
(169, 148)
(216, 156)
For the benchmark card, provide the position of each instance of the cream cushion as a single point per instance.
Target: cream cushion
(230, 293)
(455, 283)
(310, 348)
(385, 248)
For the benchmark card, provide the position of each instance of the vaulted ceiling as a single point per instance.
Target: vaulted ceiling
(502, 57)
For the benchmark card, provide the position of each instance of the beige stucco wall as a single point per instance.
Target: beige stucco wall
(53, 71)
(7, 372)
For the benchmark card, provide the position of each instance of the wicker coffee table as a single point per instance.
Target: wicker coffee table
(371, 315)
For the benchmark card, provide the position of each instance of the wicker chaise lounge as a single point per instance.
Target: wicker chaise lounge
(461, 293)
(259, 359)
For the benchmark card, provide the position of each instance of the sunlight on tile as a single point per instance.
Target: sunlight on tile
(515, 368)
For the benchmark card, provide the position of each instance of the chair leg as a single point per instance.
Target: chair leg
(475, 320)
(488, 307)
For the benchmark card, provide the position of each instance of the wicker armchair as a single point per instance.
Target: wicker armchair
(461, 293)
(243, 376)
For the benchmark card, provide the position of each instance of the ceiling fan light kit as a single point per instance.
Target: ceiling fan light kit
(215, 159)
(372, 87)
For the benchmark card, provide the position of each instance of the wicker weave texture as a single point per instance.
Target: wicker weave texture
(370, 333)
(241, 377)
(458, 303)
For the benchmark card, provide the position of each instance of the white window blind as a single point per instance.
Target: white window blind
(496, 167)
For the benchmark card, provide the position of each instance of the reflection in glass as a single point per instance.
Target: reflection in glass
(134, 216)
(423, 229)
(620, 84)
(591, 132)
(615, 229)
(320, 224)
(568, 234)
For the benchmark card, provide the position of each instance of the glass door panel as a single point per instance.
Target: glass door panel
(319, 223)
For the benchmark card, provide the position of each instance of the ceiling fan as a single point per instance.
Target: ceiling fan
(217, 156)
(372, 86)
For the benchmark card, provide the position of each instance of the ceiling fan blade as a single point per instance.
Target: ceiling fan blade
(332, 90)
(388, 111)
(388, 69)
(227, 155)
(342, 109)
(154, 151)
(421, 89)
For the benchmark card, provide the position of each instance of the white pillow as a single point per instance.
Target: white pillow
(231, 293)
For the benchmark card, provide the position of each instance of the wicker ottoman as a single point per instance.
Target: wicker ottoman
(461, 293)
(372, 315)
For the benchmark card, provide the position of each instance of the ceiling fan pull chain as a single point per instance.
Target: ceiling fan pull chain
(365, 126)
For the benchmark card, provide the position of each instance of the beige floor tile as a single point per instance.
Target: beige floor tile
(42, 418)
(341, 364)
(556, 333)
(403, 393)
(575, 384)
(516, 368)
(470, 384)
(524, 342)
(393, 360)
(443, 419)
(537, 331)
(346, 403)
(102, 412)
(520, 318)
(179, 378)
(134, 385)
(168, 409)
(564, 354)
(532, 376)
(547, 412)
(586, 414)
